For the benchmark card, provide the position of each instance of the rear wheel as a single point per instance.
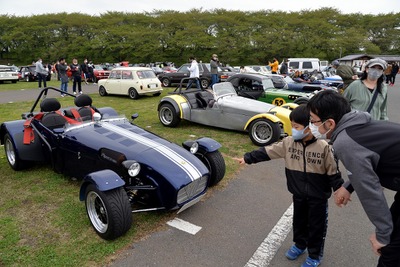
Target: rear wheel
(11, 153)
(215, 163)
(102, 91)
(166, 82)
(133, 94)
(168, 116)
(109, 212)
(263, 132)
(204, 83)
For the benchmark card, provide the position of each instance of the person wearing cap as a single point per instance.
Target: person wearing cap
(360, 93)
(369, 149)
(347, 73)
(214, 63)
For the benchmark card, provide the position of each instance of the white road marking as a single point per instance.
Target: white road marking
(184, 226)
(268, 248)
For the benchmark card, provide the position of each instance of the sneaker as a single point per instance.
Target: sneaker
(311, 263)
(94, 83)
(62, 95)
(294, 252)
(80, 92)
(74, 93)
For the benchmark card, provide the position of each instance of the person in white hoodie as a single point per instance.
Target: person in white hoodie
(194, 73)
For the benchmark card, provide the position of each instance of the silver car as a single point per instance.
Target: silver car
(223, 108)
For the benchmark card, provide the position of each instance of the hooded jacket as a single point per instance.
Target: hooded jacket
(311, 170)
(369, 149)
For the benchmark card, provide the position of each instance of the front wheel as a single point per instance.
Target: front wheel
(11, 153)
(263, 132)
(109, 212)
(102, 91)
(133, 94)
(168, 116)
(204, 83)
(215, 163)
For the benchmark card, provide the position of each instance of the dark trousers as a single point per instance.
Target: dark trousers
(390, 254)
(77, 80)
(189, 85)
(310, 223)
(42, 77)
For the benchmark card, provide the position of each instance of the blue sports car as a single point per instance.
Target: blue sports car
(123, 167)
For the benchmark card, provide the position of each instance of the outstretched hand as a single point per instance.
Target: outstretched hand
(240, 160)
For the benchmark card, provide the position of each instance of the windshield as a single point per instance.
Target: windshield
(267, 83)
(223, 89)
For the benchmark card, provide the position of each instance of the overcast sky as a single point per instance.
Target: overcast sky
(96, 7)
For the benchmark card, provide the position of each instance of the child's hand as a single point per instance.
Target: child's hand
(240, 160)
(342, 196)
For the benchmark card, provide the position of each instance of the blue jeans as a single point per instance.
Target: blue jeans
(64, 87)
(189, 85)
(214, 79)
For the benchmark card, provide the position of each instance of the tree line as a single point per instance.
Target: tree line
(238, 37)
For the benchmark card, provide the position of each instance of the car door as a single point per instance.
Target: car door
(113, 83)
(126, 81)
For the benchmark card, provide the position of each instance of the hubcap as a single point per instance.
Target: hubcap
(97, 212)
(262, 132)
(10, 152)
(166, 115)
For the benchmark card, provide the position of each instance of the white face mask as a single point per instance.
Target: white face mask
(314, 130)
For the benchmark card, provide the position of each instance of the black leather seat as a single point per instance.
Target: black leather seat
(51, 119)
(84, 104)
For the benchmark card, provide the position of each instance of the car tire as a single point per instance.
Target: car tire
(27, 79)
(168, 116)
(11, 153)
(301, 100)
(102, 91)
(166, 82)
(215, 163)
(133, 94)
(204, 83)
(109, 212)
(264, 132)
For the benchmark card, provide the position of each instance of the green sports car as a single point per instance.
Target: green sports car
(267, 89)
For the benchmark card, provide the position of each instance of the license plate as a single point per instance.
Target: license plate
(153, 85)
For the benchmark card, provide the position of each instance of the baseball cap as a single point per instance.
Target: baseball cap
(377, 62)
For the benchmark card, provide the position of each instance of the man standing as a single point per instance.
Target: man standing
(274, 66)
(369, 149)
(41, 73)
(194, 73)
(214, 63)
(62, 72)
(284, 68)
(347, 73)
(77, 75)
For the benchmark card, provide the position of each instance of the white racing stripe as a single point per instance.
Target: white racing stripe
(184, 226)
(268, 248)
(180, 161)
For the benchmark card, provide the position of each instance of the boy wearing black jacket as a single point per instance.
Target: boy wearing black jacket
(311, 173)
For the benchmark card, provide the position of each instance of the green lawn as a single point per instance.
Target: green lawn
(42, 221)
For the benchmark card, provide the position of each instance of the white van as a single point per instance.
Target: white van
(302, 64)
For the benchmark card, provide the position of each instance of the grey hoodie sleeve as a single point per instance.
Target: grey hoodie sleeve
(361, 162)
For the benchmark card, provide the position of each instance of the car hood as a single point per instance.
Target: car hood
(157, 154)
(244, 105)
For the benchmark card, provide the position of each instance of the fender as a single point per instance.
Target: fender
(290, 106)
(283, 114)
(268, 116)
(104, 180)
(31, 152)
(176, 101)
(205, 144)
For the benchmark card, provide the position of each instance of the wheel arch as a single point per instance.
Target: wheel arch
(267, 116)
(174, 103)
(104, 180)
(206, 144)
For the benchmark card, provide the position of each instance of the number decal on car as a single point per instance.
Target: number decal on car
(279, 101)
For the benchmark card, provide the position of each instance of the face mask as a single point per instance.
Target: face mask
(374, 74)
(299, 134)
(315, 131)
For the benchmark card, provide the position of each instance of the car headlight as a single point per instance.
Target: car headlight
(133, 167)
(194, 148)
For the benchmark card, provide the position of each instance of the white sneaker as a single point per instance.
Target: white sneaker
(62, 95)
(74, 93)
(80, 92)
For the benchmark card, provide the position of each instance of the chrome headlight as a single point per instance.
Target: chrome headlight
(133, 167)
(194, 148)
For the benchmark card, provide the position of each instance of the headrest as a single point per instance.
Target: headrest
(50, 104)
(83, 100)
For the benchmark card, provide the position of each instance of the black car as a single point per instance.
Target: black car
(168, 79)
(28, 73)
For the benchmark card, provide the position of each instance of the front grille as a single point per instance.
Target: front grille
(191, 190)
